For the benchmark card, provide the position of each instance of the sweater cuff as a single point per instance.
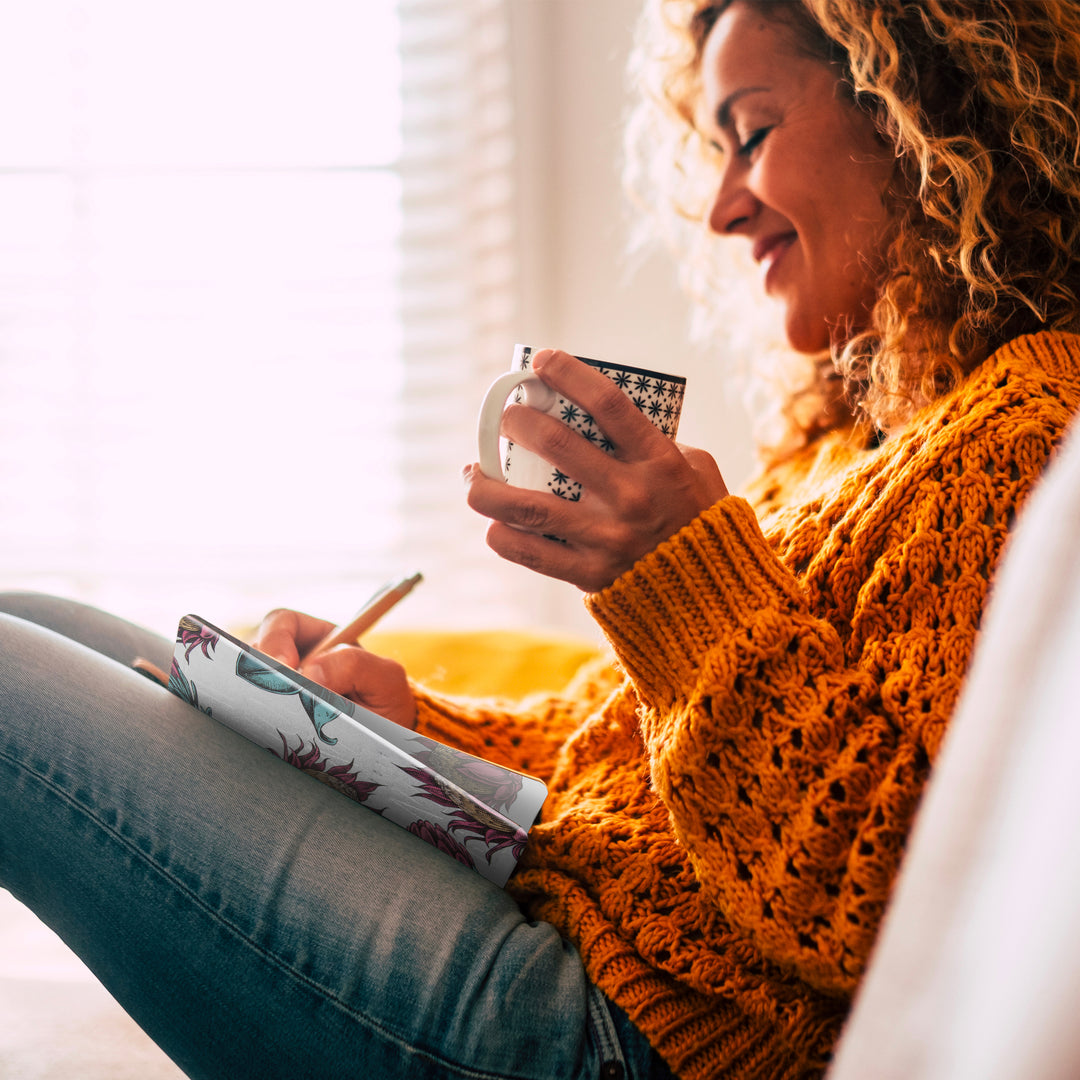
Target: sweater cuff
(461, 727)
(664, 615)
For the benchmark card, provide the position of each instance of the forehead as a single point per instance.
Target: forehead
(748, 48)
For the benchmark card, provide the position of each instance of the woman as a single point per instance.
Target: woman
(728, 807)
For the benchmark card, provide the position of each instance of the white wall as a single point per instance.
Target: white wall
(579, 289)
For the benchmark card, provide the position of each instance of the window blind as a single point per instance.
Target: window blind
(257, 265)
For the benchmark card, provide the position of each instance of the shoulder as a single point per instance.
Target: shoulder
(1042, 367)
(1055, 353)
(1031, 382)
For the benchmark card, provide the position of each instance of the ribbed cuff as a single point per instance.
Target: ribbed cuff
(662, 616)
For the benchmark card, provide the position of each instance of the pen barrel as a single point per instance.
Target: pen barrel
(376, 608)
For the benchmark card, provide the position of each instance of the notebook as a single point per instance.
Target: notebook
(473, 810)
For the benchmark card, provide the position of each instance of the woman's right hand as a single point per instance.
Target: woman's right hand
(375, 682)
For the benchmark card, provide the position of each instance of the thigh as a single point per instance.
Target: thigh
(107, 634)
(253, 921)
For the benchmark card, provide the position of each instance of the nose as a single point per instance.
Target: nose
(733, 206)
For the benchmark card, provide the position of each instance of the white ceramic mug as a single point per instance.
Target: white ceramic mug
(657, 395)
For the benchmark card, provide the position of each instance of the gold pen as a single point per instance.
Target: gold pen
(386, 598)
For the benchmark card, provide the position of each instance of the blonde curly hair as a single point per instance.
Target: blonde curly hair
(981, 101)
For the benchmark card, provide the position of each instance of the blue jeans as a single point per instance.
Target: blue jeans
(253, 921)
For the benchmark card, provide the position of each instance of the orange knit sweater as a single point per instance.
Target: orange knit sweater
(727, 813)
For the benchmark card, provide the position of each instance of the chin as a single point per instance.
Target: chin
(807, 336)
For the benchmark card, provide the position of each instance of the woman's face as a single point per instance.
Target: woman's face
(802, 176)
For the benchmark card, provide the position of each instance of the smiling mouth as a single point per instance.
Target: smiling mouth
(769, 250)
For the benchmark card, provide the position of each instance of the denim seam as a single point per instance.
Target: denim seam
(192, 897)
(604, 1032)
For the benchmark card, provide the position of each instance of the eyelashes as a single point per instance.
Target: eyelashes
(744, 149)
(754, 140)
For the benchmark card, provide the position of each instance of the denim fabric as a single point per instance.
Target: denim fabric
(253, 921)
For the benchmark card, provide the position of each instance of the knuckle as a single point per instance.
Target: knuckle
(529, 558)
(531, 516)
(639, 506)
(276, 623)
(391, 669)
(616, 541)
(345, 666)
(505, 541)
(524, 549)
(558, 439)
(610, 399)
(634, 501)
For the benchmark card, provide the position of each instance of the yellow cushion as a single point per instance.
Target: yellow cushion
(484, 663)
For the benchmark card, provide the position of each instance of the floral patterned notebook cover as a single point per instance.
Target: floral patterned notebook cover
(473, 810)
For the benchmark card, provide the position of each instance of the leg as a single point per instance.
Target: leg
(107, 634)
(253, 921)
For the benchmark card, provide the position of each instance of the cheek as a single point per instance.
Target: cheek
(868, 243)
(838, 284)
(855, 230)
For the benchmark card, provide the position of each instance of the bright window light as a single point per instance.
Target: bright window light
(257, 265)
(200, 214)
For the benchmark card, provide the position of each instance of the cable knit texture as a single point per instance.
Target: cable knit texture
(729, 802)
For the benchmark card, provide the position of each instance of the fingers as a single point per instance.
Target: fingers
(377, 683)
(589, 568)
(587, 523)
(594, 545)
(626, 512)
(351, 669)
(551, 439)
(287, 635)
(633, 436)
(632, 500)
(520, 508)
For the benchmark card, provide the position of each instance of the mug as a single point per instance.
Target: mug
(657, 395)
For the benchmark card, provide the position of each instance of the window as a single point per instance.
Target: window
(256, 266)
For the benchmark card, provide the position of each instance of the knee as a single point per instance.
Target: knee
(26, 604)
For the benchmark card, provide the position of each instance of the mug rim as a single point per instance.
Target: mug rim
(617, 367)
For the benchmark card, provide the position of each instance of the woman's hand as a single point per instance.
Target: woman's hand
(632, 500)
(372, 681)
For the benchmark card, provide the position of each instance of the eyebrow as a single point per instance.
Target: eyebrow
(723, 111)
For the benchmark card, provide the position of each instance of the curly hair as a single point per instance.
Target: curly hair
(981, 101)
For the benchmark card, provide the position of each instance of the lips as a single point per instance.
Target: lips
(768, 250)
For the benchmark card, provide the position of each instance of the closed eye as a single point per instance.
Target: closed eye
(753, 142)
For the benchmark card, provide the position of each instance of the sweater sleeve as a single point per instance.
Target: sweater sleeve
(526, 735)
(789, 732)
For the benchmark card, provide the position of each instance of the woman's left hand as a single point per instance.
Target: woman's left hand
(632, 500)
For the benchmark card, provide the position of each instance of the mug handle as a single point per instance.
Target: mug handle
(538, 395)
